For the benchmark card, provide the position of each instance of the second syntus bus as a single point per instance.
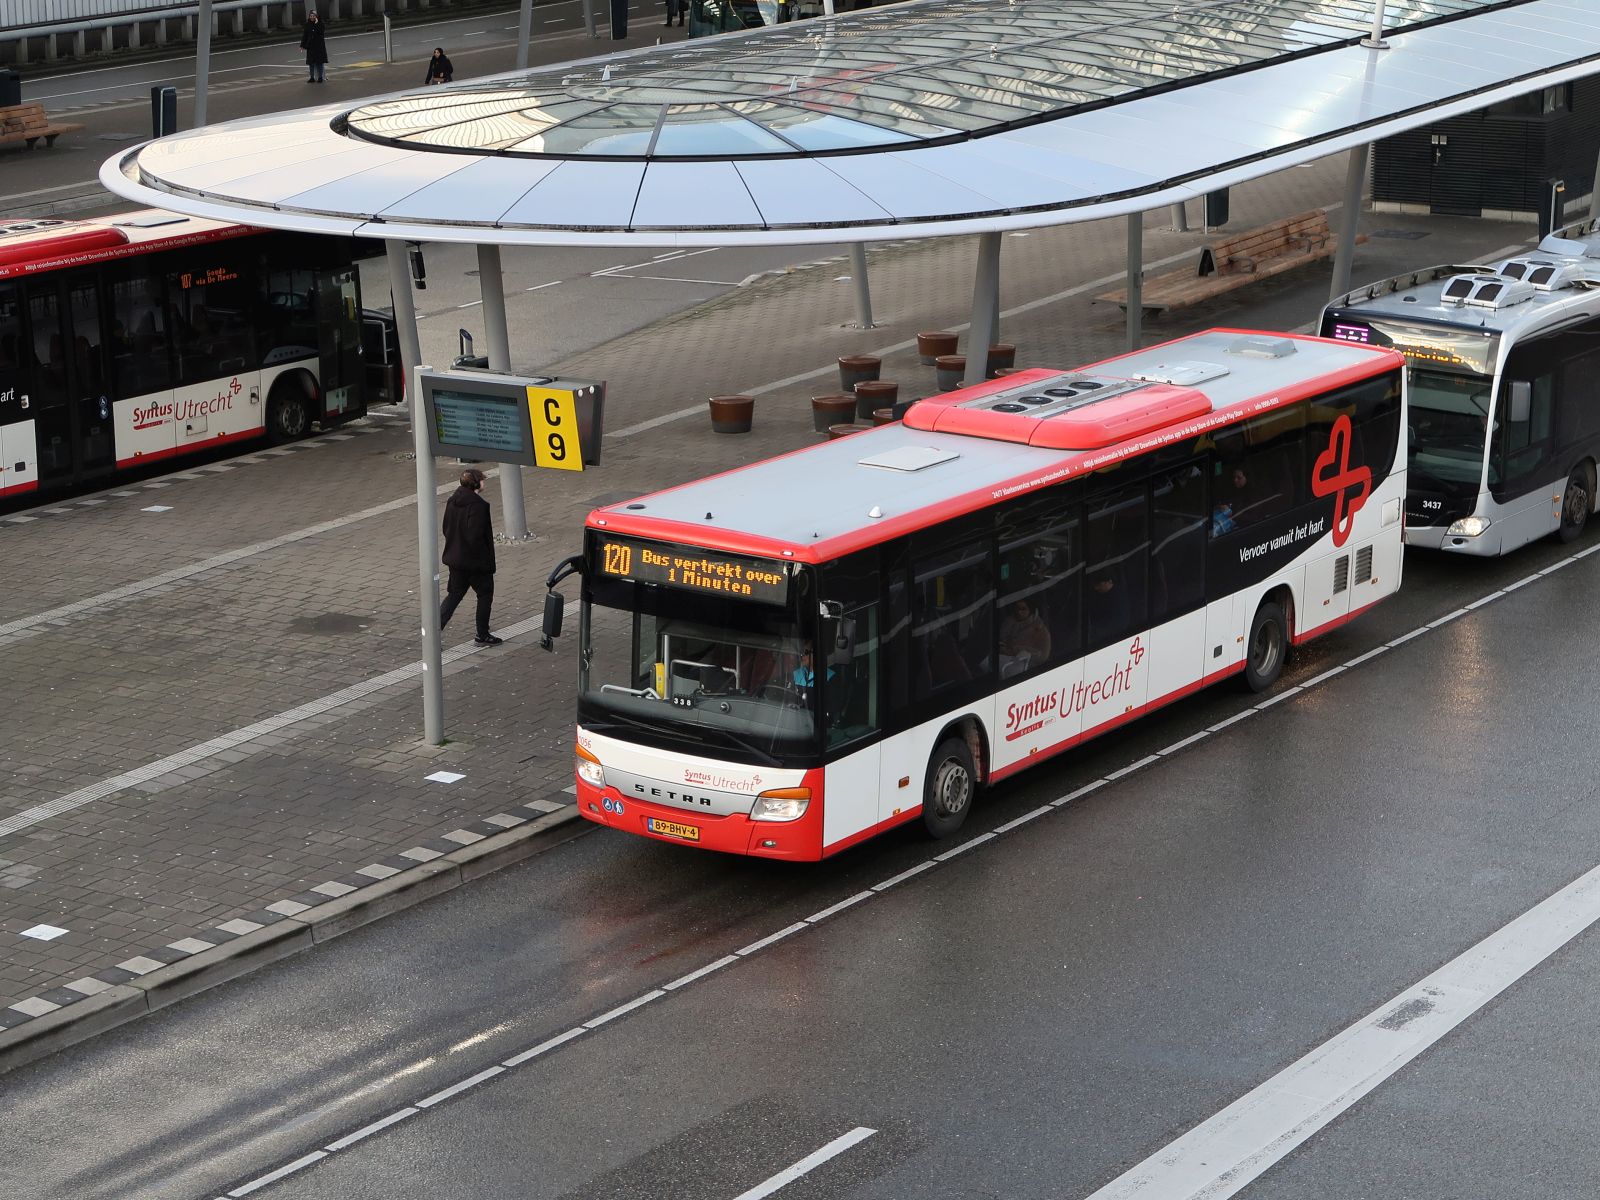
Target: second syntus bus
(788, 658)
(131, 339)
(1504, 391)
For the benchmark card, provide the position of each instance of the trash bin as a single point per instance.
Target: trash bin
(10, 88)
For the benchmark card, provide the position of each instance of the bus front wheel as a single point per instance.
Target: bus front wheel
(1575, 506)
(288, 415)
(947, 795)
(1267, 648)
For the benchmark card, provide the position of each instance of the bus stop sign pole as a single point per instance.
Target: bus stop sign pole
(405, 317)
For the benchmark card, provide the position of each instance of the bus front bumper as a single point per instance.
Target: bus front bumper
(796, 841)
(1436, 537)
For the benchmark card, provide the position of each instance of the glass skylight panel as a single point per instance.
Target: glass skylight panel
(721, 133)
(879, 77)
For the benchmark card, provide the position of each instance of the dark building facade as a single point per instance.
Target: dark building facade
(1497, 161)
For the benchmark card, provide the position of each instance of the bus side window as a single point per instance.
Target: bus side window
(1041, 582)
(1178, 523)
(140, 357)
(1527, 443)
(849, 647)
(1115, 595)
(952, 630)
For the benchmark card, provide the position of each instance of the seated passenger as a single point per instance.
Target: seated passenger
(1226, 510)
(1023, 633)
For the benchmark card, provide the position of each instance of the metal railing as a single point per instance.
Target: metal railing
(127, 29)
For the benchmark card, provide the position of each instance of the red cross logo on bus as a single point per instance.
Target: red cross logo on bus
(1334, 476)
(1136, 651)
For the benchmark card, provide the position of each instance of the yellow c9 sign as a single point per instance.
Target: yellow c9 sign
(555, 429)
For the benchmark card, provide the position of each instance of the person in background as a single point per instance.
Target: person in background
(314, 41)
(675, 8)
(469, 553)
(439, 68)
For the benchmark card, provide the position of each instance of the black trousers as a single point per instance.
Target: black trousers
(481, 582)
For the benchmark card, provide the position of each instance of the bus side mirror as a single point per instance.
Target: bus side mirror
(1521, 397)
(554, 605)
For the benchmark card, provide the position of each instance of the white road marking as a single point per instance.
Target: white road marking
(1224, 1154)
(273, 1176)
(561, 1039)
(350, 1139)
(636, 1002)
(455, 1089)
(763, 943)
(809, 1163)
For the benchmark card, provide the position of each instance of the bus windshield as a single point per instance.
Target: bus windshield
(698, 674)
(1449, 420)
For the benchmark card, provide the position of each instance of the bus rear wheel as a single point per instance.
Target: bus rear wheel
(1267, 647)
(951, 783)
(1575, 506)
(288, 416)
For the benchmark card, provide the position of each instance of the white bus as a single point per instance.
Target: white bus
(796, 655)
(1504, 370)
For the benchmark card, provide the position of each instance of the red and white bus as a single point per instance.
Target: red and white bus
(796, 655)
(130, 339)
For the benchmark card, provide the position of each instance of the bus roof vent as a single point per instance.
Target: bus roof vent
(18, 227)
(909, 458)
(1187, 374)
(1543, 274)
(1263, 347)
(1487, 291)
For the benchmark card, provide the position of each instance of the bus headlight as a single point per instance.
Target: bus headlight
(590, 770)
(1468, 527)
(781, 804)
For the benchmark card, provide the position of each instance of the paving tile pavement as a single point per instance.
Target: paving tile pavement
(229, 719)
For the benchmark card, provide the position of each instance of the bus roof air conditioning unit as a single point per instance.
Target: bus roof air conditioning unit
(1183, 374)
(1543, 274)
(1487, 291)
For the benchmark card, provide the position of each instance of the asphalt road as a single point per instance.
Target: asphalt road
(1029, 1019)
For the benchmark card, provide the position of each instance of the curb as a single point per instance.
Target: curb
(118, 995)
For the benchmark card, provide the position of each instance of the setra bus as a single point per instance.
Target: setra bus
(130, 339)
(1503, 362)
(793, 656)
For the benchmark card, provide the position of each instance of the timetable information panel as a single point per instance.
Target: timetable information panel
(490, 422)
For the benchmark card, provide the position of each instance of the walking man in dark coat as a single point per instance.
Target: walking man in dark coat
(314, 41)
(469, 553)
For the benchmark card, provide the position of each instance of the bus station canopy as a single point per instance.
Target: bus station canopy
(928, 118)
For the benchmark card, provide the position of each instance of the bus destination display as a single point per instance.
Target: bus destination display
(492, 422)
(694, 570)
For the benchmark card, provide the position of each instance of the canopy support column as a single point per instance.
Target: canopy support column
(1355, 180)
(858, 274)
(524, 33)
(1135, 333)
(985, 306)
(202, 64)
(405, 319)
(491, 283)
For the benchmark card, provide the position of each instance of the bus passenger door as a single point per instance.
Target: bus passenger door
(94, 429)
(340, 363)
(18, 459)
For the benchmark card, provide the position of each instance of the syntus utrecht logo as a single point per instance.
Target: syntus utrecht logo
(1334, 476)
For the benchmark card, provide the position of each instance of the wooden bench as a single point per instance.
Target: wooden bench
(27, 123)
(1233, 262)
